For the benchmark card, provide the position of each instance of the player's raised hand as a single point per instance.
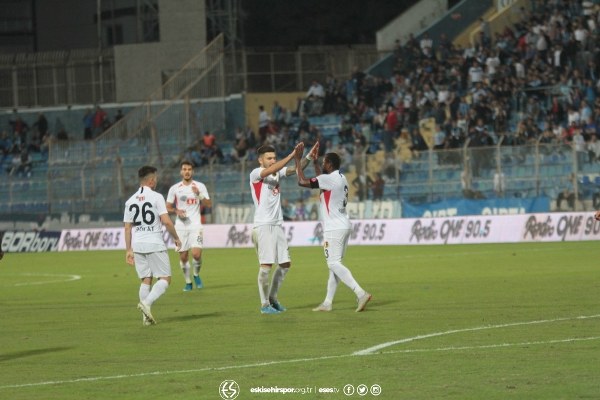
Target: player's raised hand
(314, 151)
(298, 151)
(597, 215)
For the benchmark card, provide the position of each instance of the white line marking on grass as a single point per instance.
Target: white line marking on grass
(374, 349)
(491, 346)
(66, 278)
(367, 352)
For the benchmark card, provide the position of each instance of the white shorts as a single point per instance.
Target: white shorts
(270, 244)
(155, 264)
(335, 244)
(190, 238)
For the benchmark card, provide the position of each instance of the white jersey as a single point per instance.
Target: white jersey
(143, 211)
(334, 197)
(266, 197)
(182, 197)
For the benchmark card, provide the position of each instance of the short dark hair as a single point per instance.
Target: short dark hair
(146, 170)
(265, 149)
(186, 162)
(334, 159)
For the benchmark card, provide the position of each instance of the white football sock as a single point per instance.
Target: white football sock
(278, 277)
(345, 276)
(144, 290)
(263, 284)
(159, 288)
(332, 284)
(185, 268)
(197, 265)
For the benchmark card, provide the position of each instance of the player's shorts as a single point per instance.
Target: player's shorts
(335, 244)
(190, 238)
(270, 244)
(154, 264)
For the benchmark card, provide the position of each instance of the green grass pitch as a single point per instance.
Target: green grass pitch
(499, 321)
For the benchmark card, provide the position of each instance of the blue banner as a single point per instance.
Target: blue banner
(463, 207)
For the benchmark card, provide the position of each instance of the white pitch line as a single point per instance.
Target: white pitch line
(355, 354)
(68, 277)
(478, 328)
(491, 346)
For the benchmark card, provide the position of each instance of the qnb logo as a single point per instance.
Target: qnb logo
(229, 390)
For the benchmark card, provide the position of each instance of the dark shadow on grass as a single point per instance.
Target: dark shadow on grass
(28, 353)
(192, 317)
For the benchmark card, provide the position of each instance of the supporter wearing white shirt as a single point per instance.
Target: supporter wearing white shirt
(316, 89)
(475, 74)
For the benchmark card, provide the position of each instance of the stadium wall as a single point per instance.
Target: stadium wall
(415, 19)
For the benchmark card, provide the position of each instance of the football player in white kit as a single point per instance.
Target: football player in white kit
(336, 227)
(267, 233)
(145, 214)
(184, 200)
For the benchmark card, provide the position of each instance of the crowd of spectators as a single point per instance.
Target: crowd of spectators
(22, 142)
(537, 80)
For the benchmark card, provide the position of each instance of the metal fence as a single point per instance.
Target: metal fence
(100, 186)
(250, 70)
(57, 78)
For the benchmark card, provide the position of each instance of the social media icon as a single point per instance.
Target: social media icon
(362, 389)
(375, 390)
(348, 390)
(229, 390)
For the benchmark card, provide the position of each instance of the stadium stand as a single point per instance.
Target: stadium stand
(511, 114)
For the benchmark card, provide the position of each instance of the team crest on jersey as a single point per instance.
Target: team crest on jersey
(274, 189)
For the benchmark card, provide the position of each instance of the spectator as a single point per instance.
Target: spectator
(88, 124)
(21, 164)
(314, 99)
(99, 117)
(377, 186)
(263, 124)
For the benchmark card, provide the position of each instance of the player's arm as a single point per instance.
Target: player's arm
(302, 180)
(128, 248)
(172, 210)
(597, 215)
(202, 195)
(166, 220)
(313, 154)
(281, 163)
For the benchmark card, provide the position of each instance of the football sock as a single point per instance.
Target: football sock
(278, 277)
(185, 268)
(263, 284)
(197, 265)
(144, 290)
(345, 276)
(332, 284)
(158, 290)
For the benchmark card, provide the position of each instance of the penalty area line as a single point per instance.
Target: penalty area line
(298, 360)
(381, 346)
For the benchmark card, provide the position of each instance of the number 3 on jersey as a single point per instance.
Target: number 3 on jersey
(147, 215)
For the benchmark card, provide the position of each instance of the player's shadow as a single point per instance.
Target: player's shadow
(193, 317)
(28, 353)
